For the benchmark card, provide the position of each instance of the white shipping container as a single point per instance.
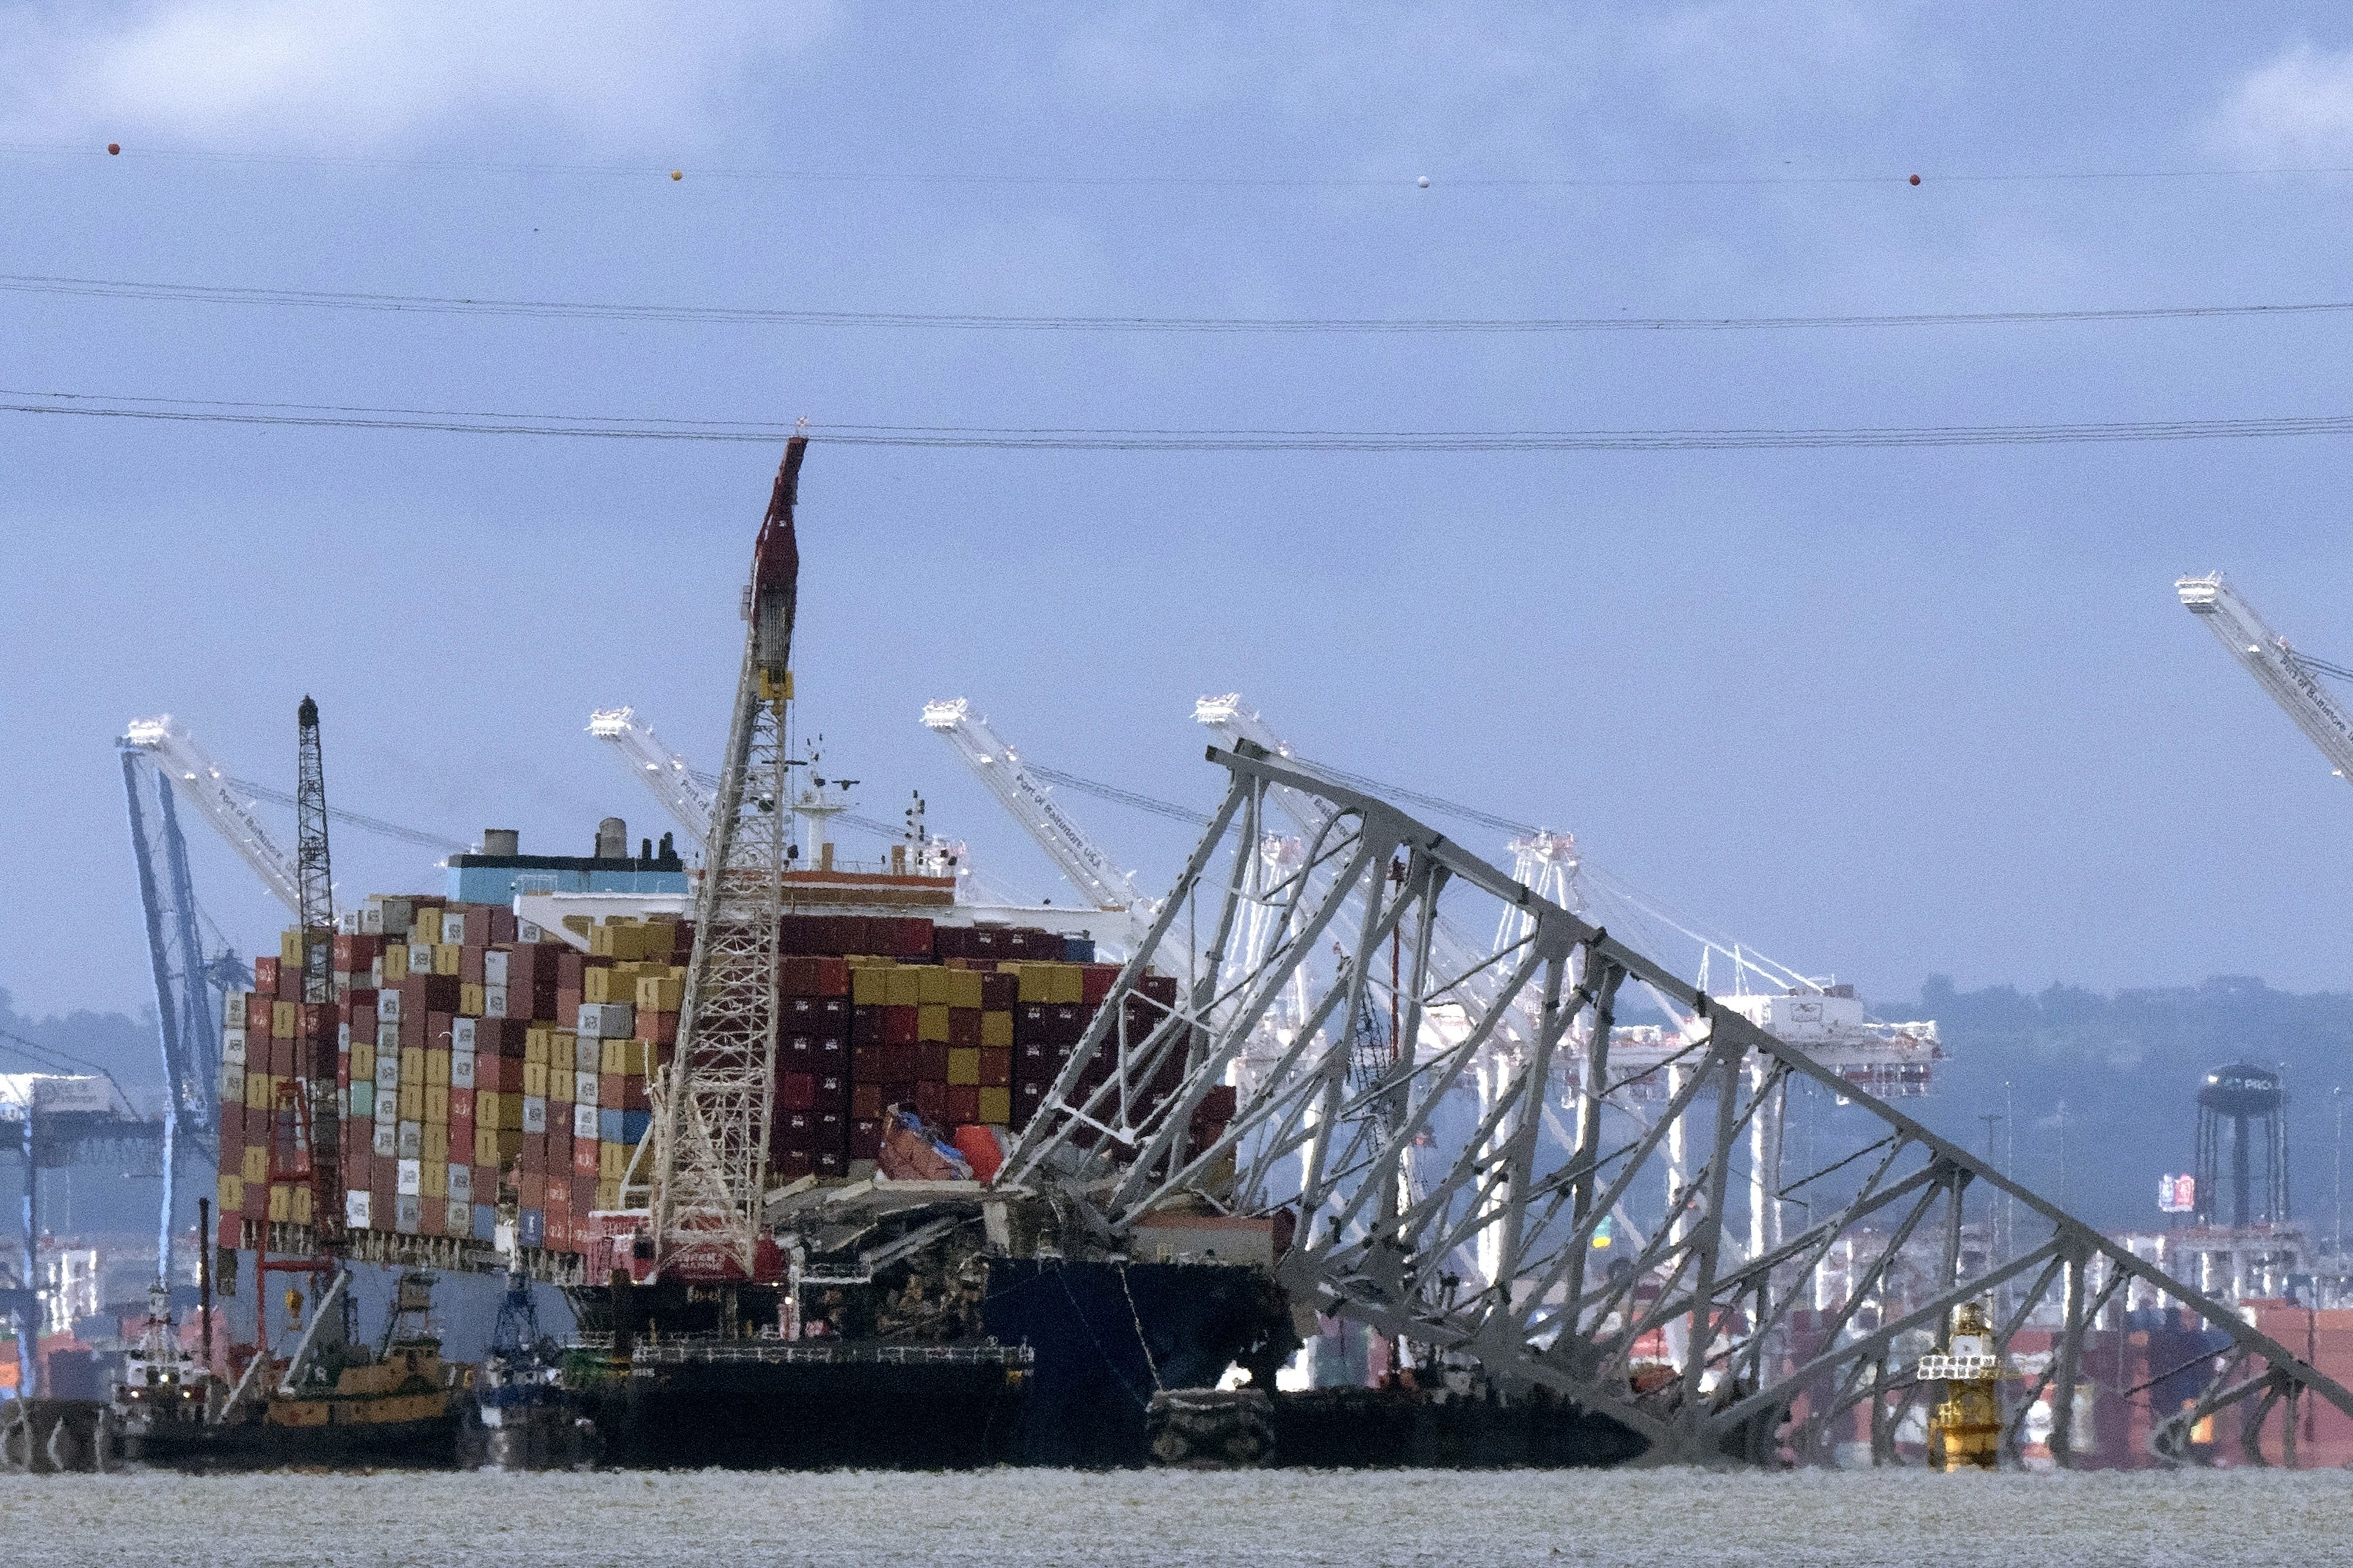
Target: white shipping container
(387, 1114)
(376, 973)
(494, 998)
(372, 920)
(410, 1179)
(535, 1114)
(461, 1182)
(412, 1140)
(387, 1069)
(584, 1121)
(607, 1020)
(587, 1054)
(420, 958)
(232, 1083)
(355, 1208)
(461, 1034)
(407, 1214)
(453, 930)
(233, 1045)
(494, 968)
(528, 931)
(461, 1069)
(342, 1036)
(387, 1040)
(233, 1010)
(387, 1008)
(386, 1143)
(583, 1090)
(458, 1219)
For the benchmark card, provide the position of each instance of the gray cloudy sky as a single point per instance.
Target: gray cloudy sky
(1881, 713)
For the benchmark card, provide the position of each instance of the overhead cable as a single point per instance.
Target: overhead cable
(1118, 796)
(352, 818)
(1062, 438)
(577, 310)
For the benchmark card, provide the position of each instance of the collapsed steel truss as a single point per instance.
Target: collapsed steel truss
(1654, 1262)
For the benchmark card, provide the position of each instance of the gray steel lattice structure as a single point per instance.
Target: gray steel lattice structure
(314, 877)
(1713, 1347)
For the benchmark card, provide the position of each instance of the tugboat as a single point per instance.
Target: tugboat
(163, 1385)
(336, 1399)
(525, 1421)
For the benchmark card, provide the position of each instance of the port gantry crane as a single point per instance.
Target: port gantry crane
(715, 1095)
(1030, 803)
(2288, 678)
(1710, 1352)
(677, 787)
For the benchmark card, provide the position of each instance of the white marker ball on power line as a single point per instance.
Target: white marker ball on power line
(1423, 182)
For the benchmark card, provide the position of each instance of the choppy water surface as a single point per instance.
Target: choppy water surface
(1358, 1519)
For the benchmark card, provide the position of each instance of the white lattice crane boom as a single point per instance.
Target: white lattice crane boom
(2290, 678)
(1031, 803)
(211, 792)
(660, 769)
(716, 1095)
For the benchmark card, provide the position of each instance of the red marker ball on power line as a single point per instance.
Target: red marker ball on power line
(1915, 179)
(114, 148)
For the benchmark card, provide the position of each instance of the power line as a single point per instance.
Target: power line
(1398, 182)
(574, 309)
(1051, 438)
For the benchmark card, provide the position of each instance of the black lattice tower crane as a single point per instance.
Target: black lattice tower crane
(717, 1093)
(315, 881)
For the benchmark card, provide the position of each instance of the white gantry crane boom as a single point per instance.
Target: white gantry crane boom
(2291, 679)
(716, 1095)
(1031, 803)
(660, 769)
(215, 796)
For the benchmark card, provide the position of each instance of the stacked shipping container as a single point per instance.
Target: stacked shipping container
(478, 1064)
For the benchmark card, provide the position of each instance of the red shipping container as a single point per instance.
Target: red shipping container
(999, 993)
(461, 1132)
(866, 1100)
(814, 977)
(500, 1036)
(534, 1161)
(1095, 982)
(932, 1100)
(828, 1015)
(256, 1201)
(431, 1220)
(531, 1189)
(995, 1068)
(796, 1090)
(865, 1137)
(829, 1128)
(793, 1130)
(290, 984)
(559, 1197)
(791, 1164)
(635, 1095)
(899, 1062)
(608, 1090)
(657, 1028)
(584, 1198)
(914, 937)
(461, 1103)
(866, 1062)
(963, 1025)
(477, 926)
(503, 925)
(585, 1154)
(962, 1104)
(281, 1059)
(831, 1163)
(931, 1061)
(232, 1130)
(264, 977)
(899, 1026)
(832, 1091)
(231, 1230)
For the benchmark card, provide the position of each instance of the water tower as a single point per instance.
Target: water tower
(2240, 1106)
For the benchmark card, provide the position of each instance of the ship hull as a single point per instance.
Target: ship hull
(261, 1445)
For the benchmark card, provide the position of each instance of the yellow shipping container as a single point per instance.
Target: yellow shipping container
(437, 1067)
(870, 987)
(963, 1065)
(1069, 983)
(362, 1061)
(964, 987)
(231, 1194)
(508, 1141)
(261, 1092)
(604, 986)
(509, 1112)
(608, 1193)
(285, 1018)
(906, 985)
(931, 1024)
(486, 1141)
(470, 1000)
(535, 1077)
(432, 1179)
(996, 1106)
(996, 1030)
(486, 1108)
(437, 1104)
(613, 1056)
(433, 1142)
(412, 1065)
(282, 1204)
(395, 963)
(536, 1045)
(298, 1205)
(289, 947)
(445, 957)
(932, 985)
(256, 1164)
(659, 993)
(1035, 984)
(612, 1162)
(559, 1092)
